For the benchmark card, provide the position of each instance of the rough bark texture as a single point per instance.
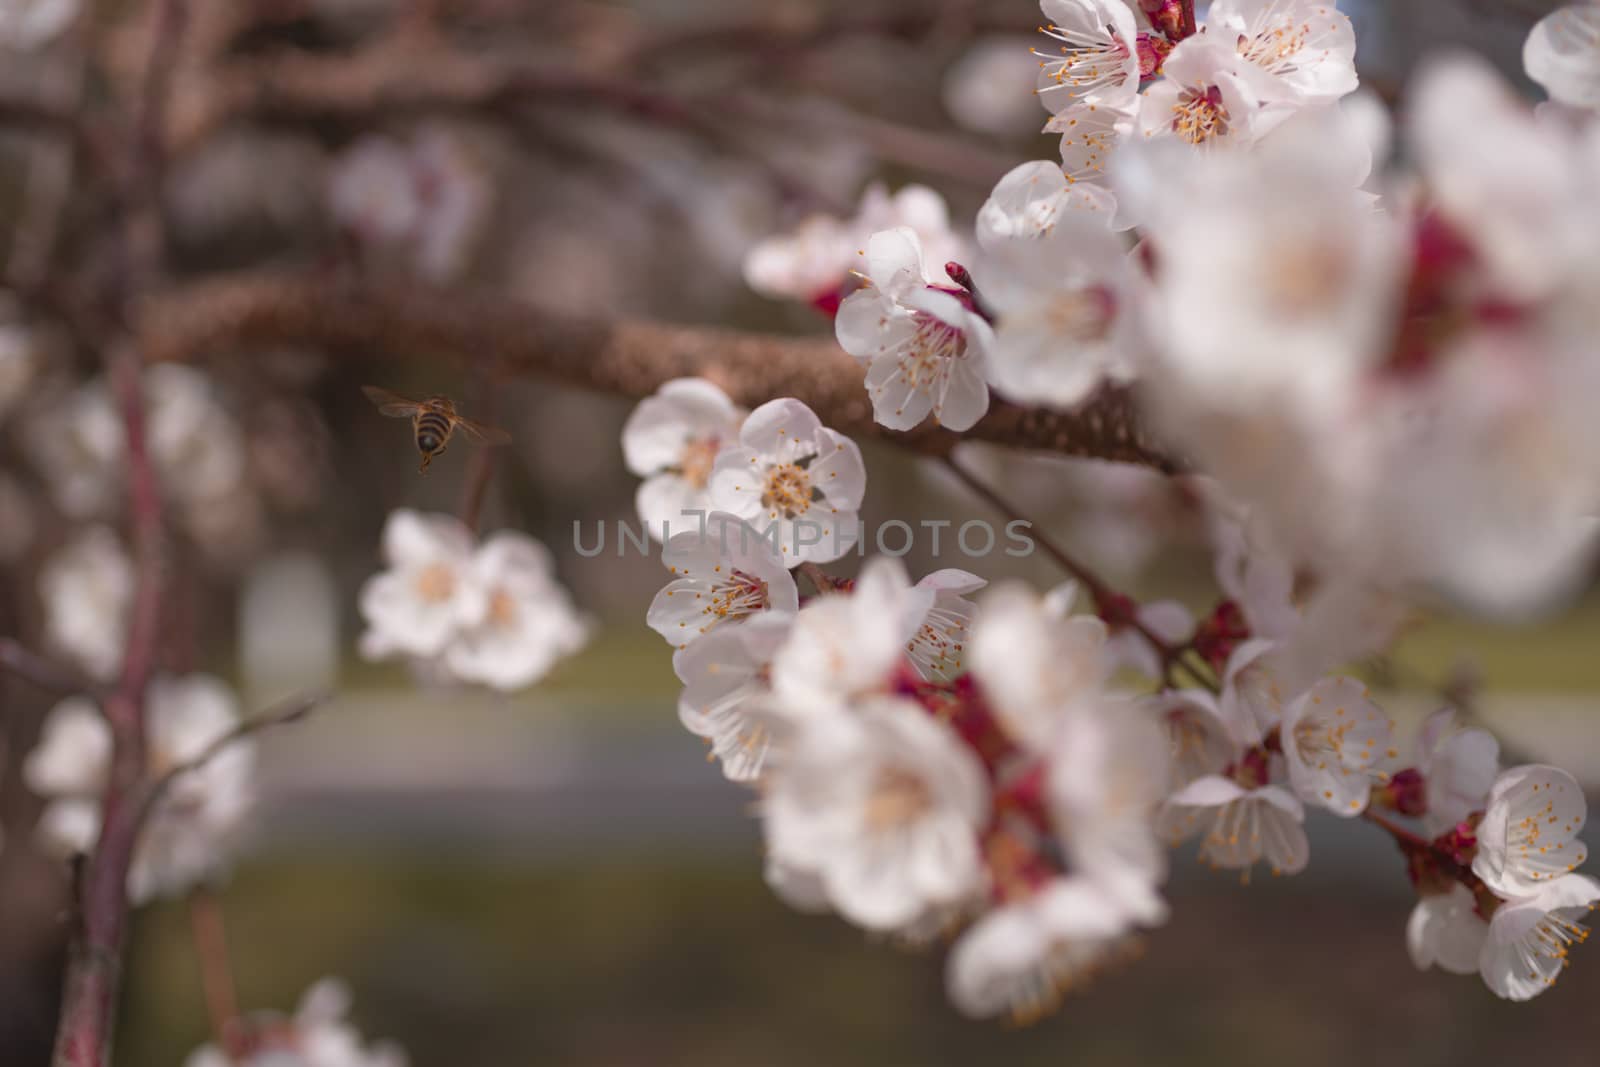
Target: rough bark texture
(630, 358)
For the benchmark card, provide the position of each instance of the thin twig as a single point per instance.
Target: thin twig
(400, 320)
(216, 972)
(289, 711)
(1106, 599)
(820, 580)
(17, 659)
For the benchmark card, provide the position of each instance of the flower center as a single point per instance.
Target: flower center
(1088, 62)
(1200, 115)
(1082, 314)
(736, 596)
(897, 799)
(436, 583)
(937, 645)
(788, 492)
(1275, 49)
(502, 610)
(699, 455)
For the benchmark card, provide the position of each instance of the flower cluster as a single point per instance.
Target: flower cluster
(196, 818)
(796, 482)
(1384, 376)
(489, 614)
(316, 1035)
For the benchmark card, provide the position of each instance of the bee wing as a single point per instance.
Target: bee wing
(487, 435)
(397, 407)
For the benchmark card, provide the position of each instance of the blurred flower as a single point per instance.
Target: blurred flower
(194, 444)
(725, 572)
(1036, 663)
(427, 200)
(672, 441)
(29, 24)
(186, 837)
(790, 474)
(430, 591)
(1068, 309)
(1528, 835)
(19, 363)
(1239, 825)
(492, 615)
(317, 1035)
(990, 87)
(1445, 930)
(1562, 54)
(1020, 958)
(524, 621)
(1031, 199)
(77, 443)
(922, 346)
(1106, 774)
(86, 588)
(1458, 769)
(885, 806)
(846, 647)
(726, 678)
(814, 263)
(18, 522)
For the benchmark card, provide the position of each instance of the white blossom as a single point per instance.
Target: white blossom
(1239, 825)
(1211, 96)
(1562, 54)
(427, 200)
(1458, 768)
(885, 806)
(26, 25)
(1096, 59)
(723, 572)
(1107, 773)
(187, 835)
(1529, 937)
(86, 588)
(1307, 46)
(1032, 198)
(938, 647)
(848, 646)
(789, 473)
(921, 345)
(672, 440)
(430, 591)
(523, 622)
(726, 678)
(1528, 836)
(317, 1035)
(1020, 958)
(1036, 663)
(814, 262)
(1445, 931)
(1334, 738)
(1068, 309)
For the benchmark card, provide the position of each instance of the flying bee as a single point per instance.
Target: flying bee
(434, 421)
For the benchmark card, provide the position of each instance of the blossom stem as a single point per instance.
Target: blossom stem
(1106, 599)
(480, 472)
(17, 659)
(820, 580)
(216, 973)
(94, 965)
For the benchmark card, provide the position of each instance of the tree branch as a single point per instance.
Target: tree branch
(630, 358)
(17, 659)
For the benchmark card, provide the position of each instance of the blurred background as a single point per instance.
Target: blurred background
(561, 877)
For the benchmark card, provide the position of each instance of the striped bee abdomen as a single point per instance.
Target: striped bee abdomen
(433, 429)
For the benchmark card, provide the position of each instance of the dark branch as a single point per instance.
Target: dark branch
(628, 358)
